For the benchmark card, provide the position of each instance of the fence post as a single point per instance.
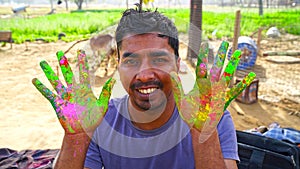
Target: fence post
(236, 35)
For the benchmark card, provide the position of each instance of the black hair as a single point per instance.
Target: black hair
(136, 22)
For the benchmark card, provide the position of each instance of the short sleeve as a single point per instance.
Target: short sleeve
(227, 136)
(93, 158)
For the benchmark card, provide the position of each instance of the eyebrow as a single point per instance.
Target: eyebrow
(129, 54)
(159, 53)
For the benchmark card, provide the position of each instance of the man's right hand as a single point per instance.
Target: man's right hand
(203, 107)
(77, 109)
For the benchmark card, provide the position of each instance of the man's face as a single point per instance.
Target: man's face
(144, 66)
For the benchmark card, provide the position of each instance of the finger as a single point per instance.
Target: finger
(202, 61)
(65, 67)
(201, 68)
(52, 77)
(48, 94)
(202, 71)
(231, 66)
(178, 94)
(216, 104)
(239, 88)
(216, 69)
(105, 94)
(205, 96)
(177, 89)
(83, 67)
(216, 110)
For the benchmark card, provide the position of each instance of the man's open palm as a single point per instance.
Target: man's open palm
(203, 107)
(77, 109)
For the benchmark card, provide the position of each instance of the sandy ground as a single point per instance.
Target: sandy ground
(29, 122)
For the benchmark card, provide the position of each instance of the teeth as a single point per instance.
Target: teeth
(147, 91)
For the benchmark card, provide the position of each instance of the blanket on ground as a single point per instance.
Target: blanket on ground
(27, 159)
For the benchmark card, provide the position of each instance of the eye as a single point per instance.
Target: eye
(159, 60)
(130, 62)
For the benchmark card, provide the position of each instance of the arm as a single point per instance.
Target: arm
(210, 148)
(73, 151)
(228, 140)
(230, 164)
(78, 110)
(204, 152)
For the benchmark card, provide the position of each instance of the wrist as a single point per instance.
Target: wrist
(73, 151)
(78, 138)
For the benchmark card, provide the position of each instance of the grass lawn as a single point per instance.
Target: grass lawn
(82, 24)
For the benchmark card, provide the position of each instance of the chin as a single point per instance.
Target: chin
(152, 104)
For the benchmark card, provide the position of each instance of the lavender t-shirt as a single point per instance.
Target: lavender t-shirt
(118, 144)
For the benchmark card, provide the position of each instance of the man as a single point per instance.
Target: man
(143, 129)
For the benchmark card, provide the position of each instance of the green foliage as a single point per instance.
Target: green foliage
(180, 17)
(75, 25)
(81, 24)
(222, 23)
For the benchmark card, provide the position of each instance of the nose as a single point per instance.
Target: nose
(146, 72)
(145, 75)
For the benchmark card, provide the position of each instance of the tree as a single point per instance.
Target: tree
(260, 7)
(67, 6)
(51, 2)
(195, 30)
(79, 4)
(141, 5)
(66, 2)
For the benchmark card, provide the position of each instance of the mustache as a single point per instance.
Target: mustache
(139, 84)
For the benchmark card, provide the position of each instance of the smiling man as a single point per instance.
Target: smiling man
(143, 129)
(144, 66)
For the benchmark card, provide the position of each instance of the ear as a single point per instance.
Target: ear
(178, 64)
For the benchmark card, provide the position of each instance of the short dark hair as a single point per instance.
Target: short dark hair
(136, 22)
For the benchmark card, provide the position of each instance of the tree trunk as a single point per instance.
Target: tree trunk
(127, 5)
(51, 2)
(260, 7)
(141, 5)
(232, 2)
(79, 4)
(195, 30)
(67, 6)
(178, 3)
(86, 3)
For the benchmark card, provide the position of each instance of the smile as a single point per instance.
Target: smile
(147, 91)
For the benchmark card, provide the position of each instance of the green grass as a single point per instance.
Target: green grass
(82, 24)
(76, 25)
(223, 22)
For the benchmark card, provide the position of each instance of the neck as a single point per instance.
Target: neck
(151, 119)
